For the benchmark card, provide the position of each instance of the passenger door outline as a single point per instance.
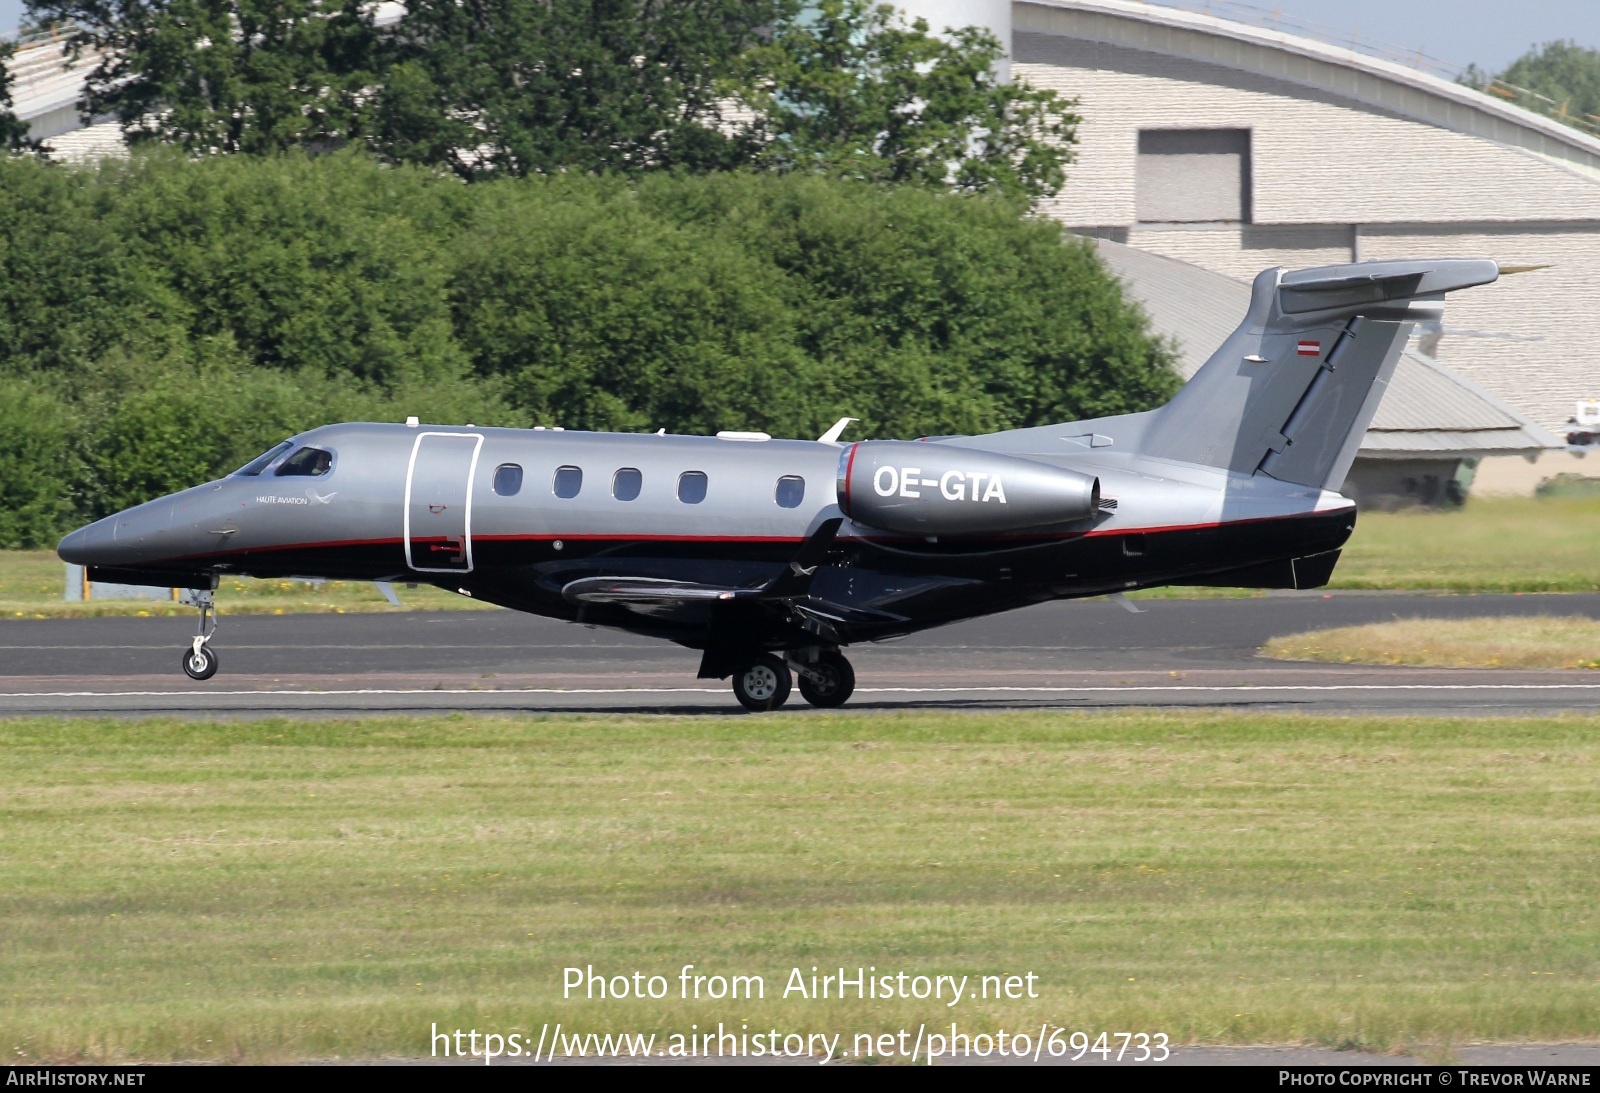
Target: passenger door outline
(466, 527)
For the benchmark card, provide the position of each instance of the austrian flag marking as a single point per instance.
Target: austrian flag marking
(1310, 349)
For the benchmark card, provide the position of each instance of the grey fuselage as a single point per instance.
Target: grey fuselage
(419, 503)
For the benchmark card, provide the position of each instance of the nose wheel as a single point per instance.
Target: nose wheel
(200, 660)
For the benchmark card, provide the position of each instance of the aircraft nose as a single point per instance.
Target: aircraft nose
(132, 536)
(87, 545)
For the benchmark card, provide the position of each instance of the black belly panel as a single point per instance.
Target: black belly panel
(896, 585)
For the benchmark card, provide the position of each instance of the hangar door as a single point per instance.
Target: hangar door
(438, 505)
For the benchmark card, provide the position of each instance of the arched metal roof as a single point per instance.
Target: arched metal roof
(1373, 81)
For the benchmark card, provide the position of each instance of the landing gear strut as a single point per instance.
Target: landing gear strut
(827, 680)
(200, 660)
(764, 685)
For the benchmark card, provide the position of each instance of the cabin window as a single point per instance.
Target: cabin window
(263, 461)
(625, 484)
(508, 480)
(692, 487)
(569, 480)
(791, 491)
(306, 463)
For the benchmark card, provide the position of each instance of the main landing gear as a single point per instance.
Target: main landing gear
(200, 660)
(828, 681)
(825, 677)
(764, 685)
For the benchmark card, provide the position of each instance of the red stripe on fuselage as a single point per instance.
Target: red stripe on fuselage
(1216, 523)
(608, 538)
(849, 466)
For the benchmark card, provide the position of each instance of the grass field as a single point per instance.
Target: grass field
(1490, 546)
(31, 584)
(281, 889)
(1537, 641)
(1502, 545)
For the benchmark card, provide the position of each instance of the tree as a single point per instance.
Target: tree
(846, 88)
(509, 87)
(489, 88)
(13, 131)
(1561, 79)
(1567, 77)
(223, 75)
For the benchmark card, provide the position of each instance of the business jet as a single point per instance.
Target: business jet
(770, 557)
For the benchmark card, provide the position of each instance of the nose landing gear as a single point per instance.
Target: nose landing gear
(200, 660)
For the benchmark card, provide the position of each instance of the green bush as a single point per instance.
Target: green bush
(162, 319)
(36, 452)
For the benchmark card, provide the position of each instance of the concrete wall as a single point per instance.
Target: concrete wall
(1317, 159)
(1543, 379)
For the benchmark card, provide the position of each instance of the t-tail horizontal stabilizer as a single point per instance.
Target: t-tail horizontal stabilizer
(1291, 392)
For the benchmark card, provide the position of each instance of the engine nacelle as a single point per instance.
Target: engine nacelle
(939, 489)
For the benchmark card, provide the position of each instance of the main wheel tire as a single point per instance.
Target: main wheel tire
(200, 665)
(764, 685)
(838, 684)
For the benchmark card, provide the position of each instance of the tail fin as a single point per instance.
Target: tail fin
(1291, 392)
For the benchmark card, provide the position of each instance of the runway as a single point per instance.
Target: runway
(1175, 654)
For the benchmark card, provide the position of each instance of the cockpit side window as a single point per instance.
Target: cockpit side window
(263, 461)
(307, 462)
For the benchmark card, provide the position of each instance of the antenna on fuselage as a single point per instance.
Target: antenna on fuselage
(832, 435)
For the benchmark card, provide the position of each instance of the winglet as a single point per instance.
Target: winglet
(796, 580)
(832, 435)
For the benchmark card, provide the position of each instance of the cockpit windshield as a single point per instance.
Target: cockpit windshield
(262, 461)
(307, 462)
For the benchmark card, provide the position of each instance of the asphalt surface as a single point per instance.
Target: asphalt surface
(1180, 654)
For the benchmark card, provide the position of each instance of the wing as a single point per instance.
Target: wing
(664, 598)
(649, 596)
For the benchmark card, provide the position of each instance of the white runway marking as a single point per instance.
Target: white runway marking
(486, 692)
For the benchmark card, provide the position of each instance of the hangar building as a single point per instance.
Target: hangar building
(1234, 147)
